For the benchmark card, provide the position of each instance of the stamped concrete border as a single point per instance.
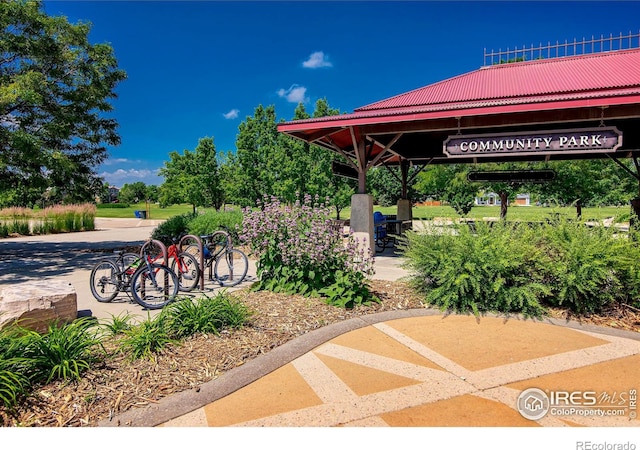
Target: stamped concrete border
(187, 401)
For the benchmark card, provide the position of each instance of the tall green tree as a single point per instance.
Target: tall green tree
(55, 91)
(192, 177)
(133, 193)
(449, 183)
(269, 163)
(258, 165)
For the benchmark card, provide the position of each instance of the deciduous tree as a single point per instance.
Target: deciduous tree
(55, 91)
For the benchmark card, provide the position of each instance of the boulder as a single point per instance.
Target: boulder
(34, 304)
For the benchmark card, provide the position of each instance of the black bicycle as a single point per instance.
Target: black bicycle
(228, 266)
(152, 285)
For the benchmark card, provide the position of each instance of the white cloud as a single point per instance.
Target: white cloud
(295, 94)
(233, 114)
(317, 60)
(112, 161)
(122, 176)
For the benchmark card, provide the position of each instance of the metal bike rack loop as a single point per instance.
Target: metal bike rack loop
(189, 237)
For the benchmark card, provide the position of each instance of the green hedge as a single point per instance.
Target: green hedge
(521, 268)
(113, 205)
(199, 224)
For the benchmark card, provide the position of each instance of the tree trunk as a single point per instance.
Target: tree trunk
(579, 209)
(503, 205)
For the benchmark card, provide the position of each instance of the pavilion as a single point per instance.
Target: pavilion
(579, 106)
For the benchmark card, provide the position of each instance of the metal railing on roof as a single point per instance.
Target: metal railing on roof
(560, 50)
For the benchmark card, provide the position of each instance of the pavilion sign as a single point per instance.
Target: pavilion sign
(585, 140)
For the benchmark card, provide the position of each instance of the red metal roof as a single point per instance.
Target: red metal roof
(579, 75)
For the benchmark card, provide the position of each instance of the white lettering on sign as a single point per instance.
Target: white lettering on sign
(601, 139)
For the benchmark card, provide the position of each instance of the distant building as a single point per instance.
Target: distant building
(493, 199)
(114, 192)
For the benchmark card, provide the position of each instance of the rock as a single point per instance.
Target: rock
(34, 304)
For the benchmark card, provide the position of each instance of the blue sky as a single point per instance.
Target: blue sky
(199, 68)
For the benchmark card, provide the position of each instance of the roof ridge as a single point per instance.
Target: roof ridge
(555, 59)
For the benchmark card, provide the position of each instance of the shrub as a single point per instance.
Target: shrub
(117, 325)
(491, 269)
(300, 252)
(204, 315)
(172, 228)
(63, 352)
(146, 338)
(520, 268)
(588, 265)
(207, 223)
(14, 384)
(113, 205)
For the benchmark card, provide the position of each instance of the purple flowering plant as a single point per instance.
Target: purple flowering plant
(301, 251)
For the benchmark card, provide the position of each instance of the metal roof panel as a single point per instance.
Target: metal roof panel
(575, 74)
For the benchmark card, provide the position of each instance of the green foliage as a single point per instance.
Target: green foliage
(117, 325)
(461, 194)
(524, 268)
(14, 383)
(229, 221)
(146, 338)
(54, 219)
(300, 252)
(269, 163)
(589, 265)
(54, 99)
(182, 318)
(172, 228)
(63, 352)
(133, 193)
(347, 290)
(486, 269)
(204, 315)
(113, 205)
(193, 177)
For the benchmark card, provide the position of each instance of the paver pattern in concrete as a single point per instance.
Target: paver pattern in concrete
(431, 370)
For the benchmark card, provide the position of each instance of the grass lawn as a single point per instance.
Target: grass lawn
(523, 213)
(155, 212)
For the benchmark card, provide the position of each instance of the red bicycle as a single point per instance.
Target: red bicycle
(183, 264)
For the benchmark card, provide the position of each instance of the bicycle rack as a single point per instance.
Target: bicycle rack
(165, 259)
(198, 241)
(229, 246)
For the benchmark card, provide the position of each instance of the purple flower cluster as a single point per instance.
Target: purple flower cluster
(301, 235)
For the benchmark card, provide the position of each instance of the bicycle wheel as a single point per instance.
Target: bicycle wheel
(104, 281)
(154, 286)
(187, 268)
(231, 267)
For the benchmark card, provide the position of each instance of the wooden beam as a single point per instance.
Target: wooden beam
(386, 149)
(359, 154)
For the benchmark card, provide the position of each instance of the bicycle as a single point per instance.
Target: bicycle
(185, 265)
(228, 266)
(152, 285)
